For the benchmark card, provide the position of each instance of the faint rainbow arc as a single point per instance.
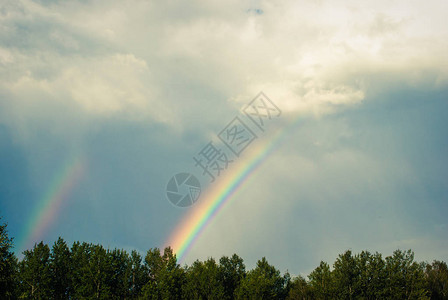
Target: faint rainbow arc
(48, 207)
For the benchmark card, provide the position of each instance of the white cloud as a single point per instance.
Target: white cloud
(119, 58)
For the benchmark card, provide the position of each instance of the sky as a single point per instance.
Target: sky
(102, 102)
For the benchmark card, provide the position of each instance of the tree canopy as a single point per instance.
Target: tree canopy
(89, 271)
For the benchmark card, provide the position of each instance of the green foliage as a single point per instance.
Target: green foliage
(118, 261)
(8, 265)
(437, 280)
(104, 274)
(88, 271)
(367, 276)
(80, 255)
(345, 276)
(60, 270)
(165, 277)
(136, 277)
(321, 281)
(231, 272)
(35, 273)
(405, 277)
(263, 282)
(299, 289)
(372, 275)
(203, 281)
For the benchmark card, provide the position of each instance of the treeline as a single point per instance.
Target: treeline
(89, 271)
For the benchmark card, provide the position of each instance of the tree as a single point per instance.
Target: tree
(202, 281)
(405, 277)
(321, 281)
(92, 271)
(35, 273)
(263, 282)
(166, 278)
(153, 267)
(136, 275)
(375, 276)
(345, 276)
(117, 278)
(60, 270)
(437, 280)
(172, 277)
(231, 272)
(299, 289)
(99, 272)
(89, 271)
(8, 265)
(82, 286)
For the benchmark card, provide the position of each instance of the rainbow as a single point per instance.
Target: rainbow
(46, 210)
(189, 229)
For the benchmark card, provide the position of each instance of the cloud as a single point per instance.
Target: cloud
(139, 86)
(135, 59)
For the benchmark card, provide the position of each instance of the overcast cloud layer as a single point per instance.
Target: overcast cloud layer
(136, 88)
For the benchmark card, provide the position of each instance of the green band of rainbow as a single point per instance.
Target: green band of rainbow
(48, 208)
(190, 228)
